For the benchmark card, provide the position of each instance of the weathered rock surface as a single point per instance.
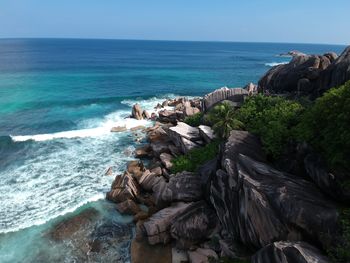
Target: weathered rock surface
(137, 112)
(185, 137)
(119, 129)
(146, 115)
(202, 255)
(184, 186)
(170, 116)
(206, 172)
(157, 228)
(330, 183)
(148, 180)
(308, 74)
(289, 252)
(166, 160)
(259, 204)
(193, 225)
(128, 207)
(136, 168)
(124, 187)
(236, 95)
(143, 151)
(142, 252)
(206, 133)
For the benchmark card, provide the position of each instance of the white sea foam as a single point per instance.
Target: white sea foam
(273, 64)
(65, 170)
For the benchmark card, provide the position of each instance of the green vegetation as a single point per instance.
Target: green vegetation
(191, 161)
(340, 253)
(271, 118)
(195, 120)
(326, 126)
(223, 119)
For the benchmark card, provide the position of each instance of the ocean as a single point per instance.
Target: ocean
(59, 99)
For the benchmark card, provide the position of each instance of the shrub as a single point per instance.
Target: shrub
(326, 126)
(191, 161)
(340, 252)
(271, 118)
(223, 120)
(195, 120)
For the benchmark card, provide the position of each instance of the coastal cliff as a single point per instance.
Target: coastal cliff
(213, 196)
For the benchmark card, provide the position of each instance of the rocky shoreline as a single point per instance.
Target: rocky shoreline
(236, 206)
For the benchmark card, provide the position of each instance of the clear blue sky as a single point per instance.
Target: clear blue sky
(303, 21)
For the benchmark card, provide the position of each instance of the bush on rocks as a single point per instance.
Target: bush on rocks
(195, 120)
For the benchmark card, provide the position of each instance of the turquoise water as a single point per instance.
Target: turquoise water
(58, 100)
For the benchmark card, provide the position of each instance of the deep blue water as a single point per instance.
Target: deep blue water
(60, 97)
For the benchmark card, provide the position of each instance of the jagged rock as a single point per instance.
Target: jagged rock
(251, 88)
(179, 256)
(109, 171)
(142, 252)
(157, 134)
(202, 255)
(124, 187)
(185, 137)
(188, 110)
(156, 170)
(330, 183)
(139, 127)
(135, 168)
(153, 116)
(137, 112)
(148, 180)
(142, 215)
(206, 173)
(289, 252)
(143, 151)
(119, 129)
(146, 115)
(292, 53)
(206, 133)
(174, 150)
(183, 186)
(157, 227)
(159, 147)
(259, 204)
(235, 95)
(193, 225)
(337, 73)
(166, 160)
(169, 116)
(128, 207)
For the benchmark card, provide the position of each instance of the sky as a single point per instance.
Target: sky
(292, 21)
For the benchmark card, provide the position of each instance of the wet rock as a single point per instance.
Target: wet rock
(166, 160)
(202, 255)
(289, 252)
(128, 207)
(109, 171)
(118, 129)
(236, 95)
(136, 128)
(142, 252)
(124, 187)
(136, 168)
(146, 115)
(157, 228)
(137, 112)
(206, 133)
(68, 227)
(193, 225)
(185, 137)
(143, 151)
(183, 186)
(142, 215)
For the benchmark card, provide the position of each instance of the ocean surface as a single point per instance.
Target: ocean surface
(59, 99)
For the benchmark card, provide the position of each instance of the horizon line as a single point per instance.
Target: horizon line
(174, 40)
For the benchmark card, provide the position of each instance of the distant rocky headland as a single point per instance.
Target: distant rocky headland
(253, 174)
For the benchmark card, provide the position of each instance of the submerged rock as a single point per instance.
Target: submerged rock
(142, 252)
(289, 252)
(128, 207)
(119, 129)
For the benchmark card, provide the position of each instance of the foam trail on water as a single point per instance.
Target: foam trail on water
(273, 64)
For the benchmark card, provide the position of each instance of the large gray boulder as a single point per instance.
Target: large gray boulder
(289, 252)
(309, 75)
(157, 228)
(257, 204)
(235, 95)
(185, 137)
(206, 133)
(184, 186)
(193, 225)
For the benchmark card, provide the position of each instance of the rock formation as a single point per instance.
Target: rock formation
(236, 95)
